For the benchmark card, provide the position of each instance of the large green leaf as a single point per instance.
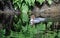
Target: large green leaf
(40, 1)
(49, 1)
(41, 26)
(30, 2)
(32, 30)
(49, 24)
(19, 4)
(2, 32)
(49, 35)
(15, 1)
(24, 14)
(24, 17)
(59, 34)
(24, 28)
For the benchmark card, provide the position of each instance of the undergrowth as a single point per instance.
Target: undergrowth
(22, 24)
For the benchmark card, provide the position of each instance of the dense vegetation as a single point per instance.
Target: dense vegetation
(21, 24)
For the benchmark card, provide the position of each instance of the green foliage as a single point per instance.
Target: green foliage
(24, 14)
(49, 35)
(40, 1)
(59, 34)
(49, 1)
(30, 2)
(21, 23)
(23, 5)
(41, 26)
(2, 32)
(49, 24)
(17, 3)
